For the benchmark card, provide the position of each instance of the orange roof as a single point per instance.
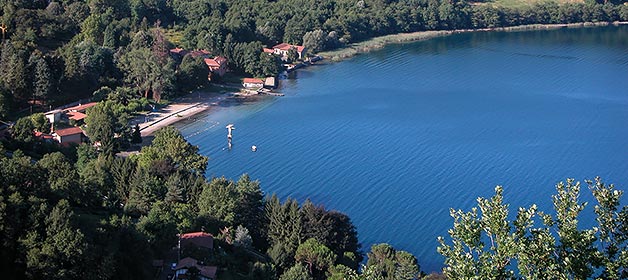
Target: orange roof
(43, 135)
(81, 107)
(252, 81)
(286, 46)
(177, 50)
(215, 62)
(200, 239)
(77, 116)
(267, 50)
(68, 131)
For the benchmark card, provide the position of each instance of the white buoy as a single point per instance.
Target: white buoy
(254, 148)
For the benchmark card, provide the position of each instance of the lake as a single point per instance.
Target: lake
(396, 137)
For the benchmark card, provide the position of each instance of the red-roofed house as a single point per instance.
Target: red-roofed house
(81, 107)
(43, 136)
(204, 272)
(283, 48)
(217, 65)
(267, 50)
(77, 116)
(68, 135)
(178, 51)
(199, 239)
(252, 83)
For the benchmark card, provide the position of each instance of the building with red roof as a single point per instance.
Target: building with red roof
(252, 83)
(198, 239)
(77, 116)
(283, 48)
(69, 135)
(217, 65)
(81, 107)
(205, 272)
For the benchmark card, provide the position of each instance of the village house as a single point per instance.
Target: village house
(70, 135)
(283, 48)
(252, 83)
(198, 239)
(184, 265)
(76, 113)
(82, 108)
(216, 65)
(270, 82)
(54, 116)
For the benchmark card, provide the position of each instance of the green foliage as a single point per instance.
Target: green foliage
(219, 200)
(486, 246)
(192, 73)
(384, 262)
(40, 122)
(315, 255)
(107, 123)
(23, 130)
(170, 148)
(60, 255)
(242, 237)
(314, 41)
(136, 137)
(297, 272)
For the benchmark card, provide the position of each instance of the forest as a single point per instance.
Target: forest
(81, 212)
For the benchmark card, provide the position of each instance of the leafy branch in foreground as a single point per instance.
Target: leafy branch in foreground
(486, 245)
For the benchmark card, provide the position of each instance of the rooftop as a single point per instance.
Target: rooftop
(77, 116)
(252, 81)
(68, 131)
(200, 239)
(81, 107)
(207, 271)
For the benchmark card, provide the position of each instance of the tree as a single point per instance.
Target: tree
(192, 73)
(170, 147)
(40, 122)
(297, 272)
(136, 138)
(147, 72)
(42, 83)
(60, 255)
(315, 255)
(219, 201)
(23, 130)
(62, 176)
(270, 64)
(314, 41)
(385, 262)
(242, 237)
(250, 207)
(485, 246)
(13, 71)
(108, 125)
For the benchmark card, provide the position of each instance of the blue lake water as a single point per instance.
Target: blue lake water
(396, 137)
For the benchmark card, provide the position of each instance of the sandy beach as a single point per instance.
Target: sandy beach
(181, 109)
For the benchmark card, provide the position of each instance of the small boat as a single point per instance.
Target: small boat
(254, 148)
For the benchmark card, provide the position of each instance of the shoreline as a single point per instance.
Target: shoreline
(180, 109)
(380, 42)
(198, 102)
